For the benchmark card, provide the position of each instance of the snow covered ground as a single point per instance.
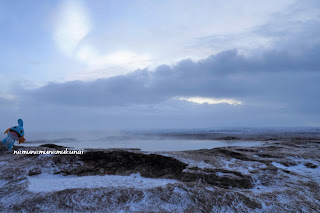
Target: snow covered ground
(57, 182)
(279, 176)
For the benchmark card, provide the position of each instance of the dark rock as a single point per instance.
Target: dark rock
(233, 154)
(54, 146)
(151, 166)
(3, 148)
(228, 179)
(125, 163)
(34, 171)
(246, 150)
(265, 156)
(228, 138)
(310, 165)
(288, 163)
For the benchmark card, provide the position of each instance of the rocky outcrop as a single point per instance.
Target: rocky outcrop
(279, 176)
(148, 165)
(125, 163)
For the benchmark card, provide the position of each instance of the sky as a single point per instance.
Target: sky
(138, 64)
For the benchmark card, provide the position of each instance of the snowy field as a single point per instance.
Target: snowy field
(50, 182)
(279, 173)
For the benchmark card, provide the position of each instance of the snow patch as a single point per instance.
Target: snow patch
(244, 167)
(301, 170)
(49, 182)
(191, 163)
(3, 182)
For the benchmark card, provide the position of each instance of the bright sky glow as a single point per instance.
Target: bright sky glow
(203, 100)
(130, 60)
(110, 44)
(72, 24)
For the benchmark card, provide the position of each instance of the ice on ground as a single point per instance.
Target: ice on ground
(302, 170)
(191, 162)
(2, 183)
(49, 182)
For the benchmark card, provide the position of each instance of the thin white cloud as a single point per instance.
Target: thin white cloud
(125, 58)
(72, 24)
(6, 96)
(164, 40)
(203, 100)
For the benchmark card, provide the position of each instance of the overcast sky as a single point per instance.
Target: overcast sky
(159, 64)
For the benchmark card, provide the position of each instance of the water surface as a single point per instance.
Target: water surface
(104, 140)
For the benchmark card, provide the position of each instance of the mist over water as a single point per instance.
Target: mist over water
(146, 140)
(159, 140)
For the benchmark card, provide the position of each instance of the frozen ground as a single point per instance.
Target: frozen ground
(50, 182)
(277, 176)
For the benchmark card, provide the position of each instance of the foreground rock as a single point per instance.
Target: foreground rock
(280, 176)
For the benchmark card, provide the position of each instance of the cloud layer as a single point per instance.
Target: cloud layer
(274, 77)
(276, 80)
